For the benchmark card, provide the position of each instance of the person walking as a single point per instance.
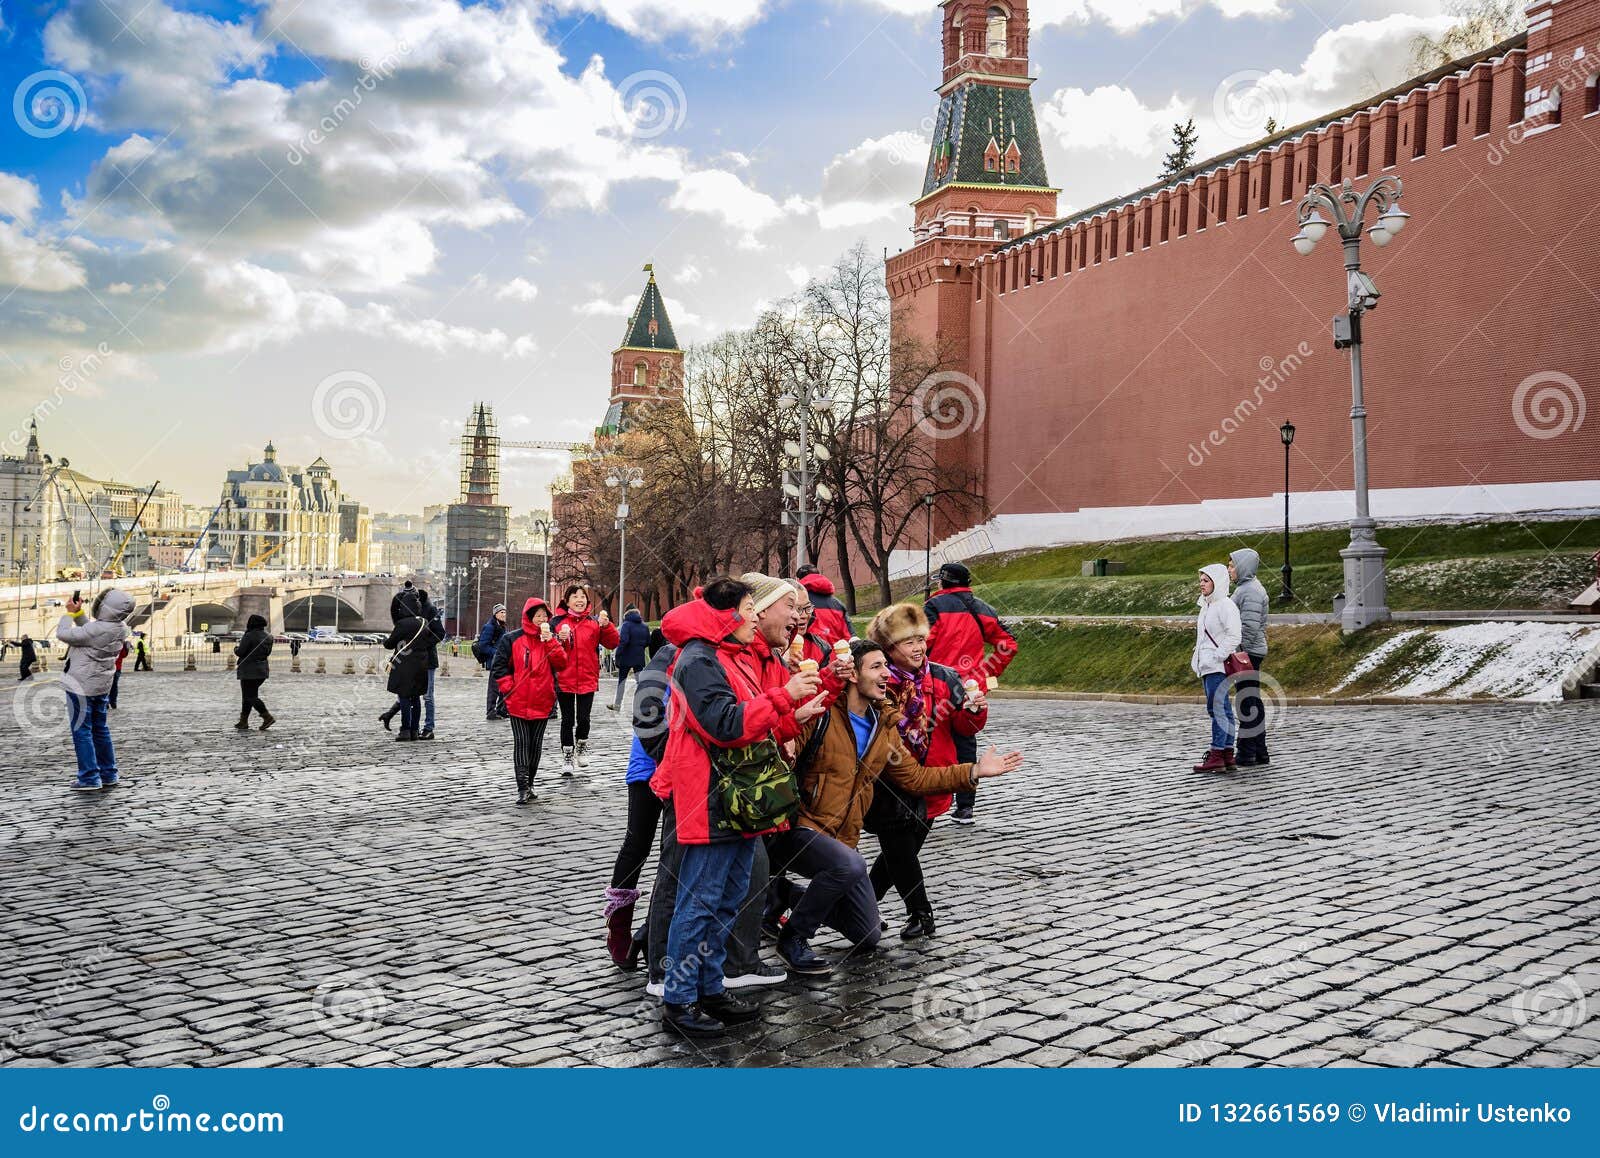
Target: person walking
(252, 672)
(829, 620)
(584, 635)
(483, 649)
(1217, 633)
(93, 641)
(960, 629)
(410, 641)
(28, 656)
(524, 668)
(1251, 598)
(843, 754)
(294, 649)
(116, 677)
(933, 710)
(654, 689)
(633, 637)
(721, 710)
(141, 658)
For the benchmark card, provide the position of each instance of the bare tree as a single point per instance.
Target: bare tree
(1479, 24)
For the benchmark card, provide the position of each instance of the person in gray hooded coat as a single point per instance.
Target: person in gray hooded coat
(1251, 599)
(93, 644)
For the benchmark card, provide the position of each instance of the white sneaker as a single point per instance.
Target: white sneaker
(657, 988)
(583, 753)
(567, 767)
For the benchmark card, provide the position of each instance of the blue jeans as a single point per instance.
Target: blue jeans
(1220, 708)
(427, 703)
(91, 739)
(712, 882)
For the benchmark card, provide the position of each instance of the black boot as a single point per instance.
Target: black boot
(690, 1021)
(729, 1010)
(407, 735)
(799, 958)
(425, 734)
(388, 716)
(244, 722)
(637, 948)
(920, 925)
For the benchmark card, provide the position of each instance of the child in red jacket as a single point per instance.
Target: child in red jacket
(524, 668)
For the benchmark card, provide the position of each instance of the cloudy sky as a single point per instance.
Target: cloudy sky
(338, 223)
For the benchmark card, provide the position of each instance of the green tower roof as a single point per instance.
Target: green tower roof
(649, 328)
(972, 116)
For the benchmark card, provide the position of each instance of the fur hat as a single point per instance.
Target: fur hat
(765, 589)
(896, 622)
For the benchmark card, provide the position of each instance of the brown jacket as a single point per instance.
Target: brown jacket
(836, 788)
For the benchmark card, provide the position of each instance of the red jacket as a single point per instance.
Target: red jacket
(831, 622)
(524, 667)
(958, 626)
(588, 637)
(718, 700)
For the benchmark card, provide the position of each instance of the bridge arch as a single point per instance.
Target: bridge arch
(317, 610)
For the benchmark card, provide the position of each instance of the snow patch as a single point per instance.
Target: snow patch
(1514, 661)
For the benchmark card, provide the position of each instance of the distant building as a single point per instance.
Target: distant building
(280, 516)
(478, 520)
(399, 552)
(510, 577)
(355, 537)
(437, 534)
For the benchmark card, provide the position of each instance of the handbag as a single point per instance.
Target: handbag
(1233, 664)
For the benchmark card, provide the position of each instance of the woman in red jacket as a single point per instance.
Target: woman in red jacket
(584, 635)
(935, 708)
(524, 668)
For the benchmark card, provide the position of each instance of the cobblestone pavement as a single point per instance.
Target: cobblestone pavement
(1388, 892)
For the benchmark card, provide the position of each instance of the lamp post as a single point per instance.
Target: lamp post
(545, 528)
(621, 478)
(927, 550)
(338, 590)
(801, 454)
(459, 574)
(479, 565)
(505, 577)
(1365, 581)
(1286, 432)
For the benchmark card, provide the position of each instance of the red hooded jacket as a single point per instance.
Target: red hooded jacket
(830, 622)
(524, 667)
(718, 701)
(588, 637)
(959, 625)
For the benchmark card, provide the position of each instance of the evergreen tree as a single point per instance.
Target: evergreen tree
(1182, 155)
(1272, 126)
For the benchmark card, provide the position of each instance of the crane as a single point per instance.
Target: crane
(568, 447)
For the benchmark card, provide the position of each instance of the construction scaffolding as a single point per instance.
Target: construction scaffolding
(480, 459)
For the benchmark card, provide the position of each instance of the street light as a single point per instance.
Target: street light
(809, 401)
(479, 565)
(621, 478)
(505, 578)
(338, 590)
(546, 528)
(1365, 580)
(927, 550)
(1286, 432)
(459, 574)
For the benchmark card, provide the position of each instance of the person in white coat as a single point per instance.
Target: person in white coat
(93, 642)
(1217, 634)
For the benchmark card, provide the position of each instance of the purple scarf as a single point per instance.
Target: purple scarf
(905, 693)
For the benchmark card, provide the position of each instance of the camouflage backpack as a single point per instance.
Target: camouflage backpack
(756, 789)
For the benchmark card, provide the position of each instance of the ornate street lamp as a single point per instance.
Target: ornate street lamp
(1365, 581)
(1286, 432)
(621, 479)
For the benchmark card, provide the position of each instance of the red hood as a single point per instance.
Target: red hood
(533, 604)
(951, 590)
(817, 584)
(698, 620)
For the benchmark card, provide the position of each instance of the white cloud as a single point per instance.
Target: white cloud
(723, 195)
(705, 20)
(30, 264)
(874, 181)
(1120, 15)
(19, 198)
(518, 289)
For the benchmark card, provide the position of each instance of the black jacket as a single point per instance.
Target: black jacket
(411, 641)
(253, 651)
(649, 702)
